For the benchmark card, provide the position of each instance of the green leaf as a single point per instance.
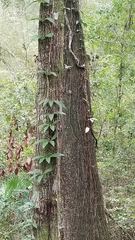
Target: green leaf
(52, 127)
(84, 23)
(46, 128)
(53, 73)
(48, 159)
(39, 141)
(34, 225)
(55, 122)
(48, 170)
(45, 101)
(51, 116)
(50, 19)
(39, 19)
(45, 144)
(60, 104)
(35, 172)
(38, 157)
(42, 159)
(42, 125)
(49, 35)
(54, 137)
(39, 179)
(60, 113)
(57, 155)
(50, 102)
(41, 71)
(52, 143)
(35, 38)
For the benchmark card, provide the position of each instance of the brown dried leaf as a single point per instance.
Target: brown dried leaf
(2, 172)
(31, 130)
(10, 169)
(9, 153)
(18, 151)
(25, 140)
(14, 196)
(20, 195)
(27, 164)
(16, 171)
(11, 142)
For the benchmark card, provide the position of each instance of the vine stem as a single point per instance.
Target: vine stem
(70, 41)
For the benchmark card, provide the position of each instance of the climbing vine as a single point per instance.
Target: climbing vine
(48, 144)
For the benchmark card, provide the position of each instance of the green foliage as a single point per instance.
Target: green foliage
(40, 1)
(49, 35)
(48, 144)
(15, 208)
(110, 36)
(50, 19)
(17, 73)
(17, 100)
(51, 102)
(37, 37)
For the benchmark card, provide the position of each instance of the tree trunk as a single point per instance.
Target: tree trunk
(49, 60)
(81, 194)
(69, 205)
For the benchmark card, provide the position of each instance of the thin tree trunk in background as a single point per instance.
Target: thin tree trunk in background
(81, 194)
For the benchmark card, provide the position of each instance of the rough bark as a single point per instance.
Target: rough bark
(82, 204)
(49, 61)
(75, 210)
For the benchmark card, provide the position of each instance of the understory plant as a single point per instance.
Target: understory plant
(109, 31)
(15, 207)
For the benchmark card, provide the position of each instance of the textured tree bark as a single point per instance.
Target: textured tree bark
(50, 60)
(81, 194)
(70, 204)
